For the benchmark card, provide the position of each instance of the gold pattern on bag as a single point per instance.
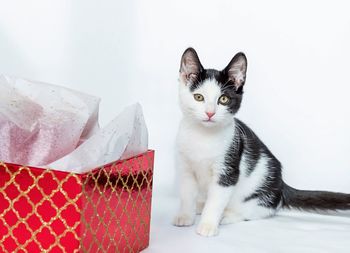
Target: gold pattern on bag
(112, 205)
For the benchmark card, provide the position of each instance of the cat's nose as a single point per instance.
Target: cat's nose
(210, 114)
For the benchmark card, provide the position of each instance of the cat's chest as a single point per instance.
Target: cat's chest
(202, 147)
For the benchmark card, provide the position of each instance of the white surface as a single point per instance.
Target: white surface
(296, 96)
(289, 232)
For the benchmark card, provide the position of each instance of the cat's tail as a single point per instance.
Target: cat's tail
(314, 200)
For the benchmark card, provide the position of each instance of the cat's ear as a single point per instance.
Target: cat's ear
(190, 66)
(236, 70)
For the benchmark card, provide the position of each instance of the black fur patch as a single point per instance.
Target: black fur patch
(203, 75)
(248, 144)
(252, 145)
(232, 161)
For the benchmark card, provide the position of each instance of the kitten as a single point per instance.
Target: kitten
(226, 172)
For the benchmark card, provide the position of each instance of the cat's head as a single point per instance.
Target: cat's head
(208, 96)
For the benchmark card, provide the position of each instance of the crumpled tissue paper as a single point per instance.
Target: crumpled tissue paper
(44, 125)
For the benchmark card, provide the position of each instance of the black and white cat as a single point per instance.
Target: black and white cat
(226, 172)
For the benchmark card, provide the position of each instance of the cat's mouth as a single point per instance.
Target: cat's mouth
(209, 121)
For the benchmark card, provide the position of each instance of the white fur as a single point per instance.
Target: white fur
(201, 149)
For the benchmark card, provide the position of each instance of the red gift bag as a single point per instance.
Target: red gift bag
(105, 210)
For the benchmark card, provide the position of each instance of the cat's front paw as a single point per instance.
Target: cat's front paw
(183, 220)
(207, 229)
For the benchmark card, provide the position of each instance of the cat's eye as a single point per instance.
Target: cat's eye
(224, 100)
(198, 97)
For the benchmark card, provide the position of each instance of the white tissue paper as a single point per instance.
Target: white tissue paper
(44, 125)
(122, 138)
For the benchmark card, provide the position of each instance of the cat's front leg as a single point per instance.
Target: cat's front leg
(188, 194)
(218, 198)
(201, 198)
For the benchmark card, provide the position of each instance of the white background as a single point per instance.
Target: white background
(297, 90)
